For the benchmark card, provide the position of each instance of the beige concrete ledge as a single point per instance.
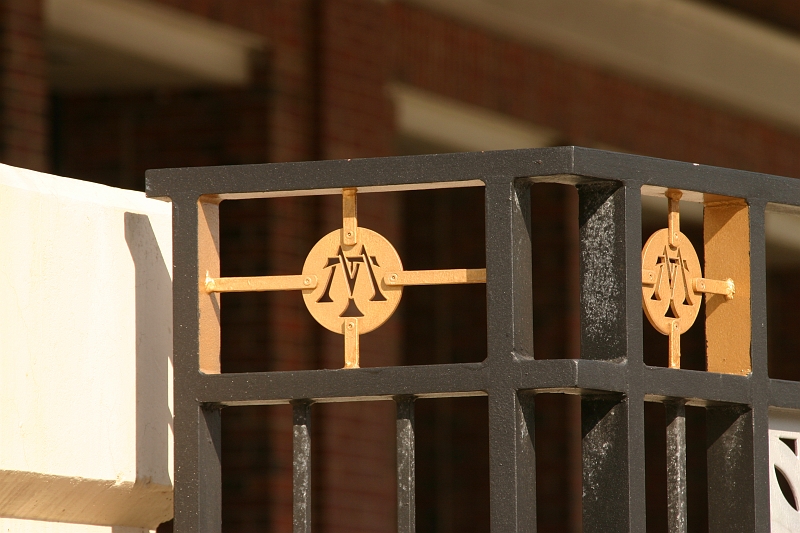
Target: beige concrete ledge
(80, 500)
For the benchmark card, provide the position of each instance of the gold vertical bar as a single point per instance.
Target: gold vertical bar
(674, 215)
(674, 344)
(726, 232)
(208, 267)
(351, 343)
(349, 216)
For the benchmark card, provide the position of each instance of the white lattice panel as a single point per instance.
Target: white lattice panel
(784, 475)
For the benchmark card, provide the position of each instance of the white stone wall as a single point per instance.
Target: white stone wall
(85, 355)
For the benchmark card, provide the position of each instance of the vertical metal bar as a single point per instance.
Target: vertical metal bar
(604, 430)
(512, 462)
(509, 273)
(351, 343)
(510, 337)
(198, 490)
(759, 380)
(729, 449)
(737, 438)
(611, 329)
(406, 484)
(674, 344)
(631, 204)
(209, 472)
(673, 215)
(601, 222)
(301, 466)
(526, 462)
(349, 216)
(676, 466)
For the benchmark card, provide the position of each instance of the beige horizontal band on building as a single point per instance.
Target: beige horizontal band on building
(436, 277)
(261, 283)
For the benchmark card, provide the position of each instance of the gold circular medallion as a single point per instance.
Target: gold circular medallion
(668, 294)
(351, 281)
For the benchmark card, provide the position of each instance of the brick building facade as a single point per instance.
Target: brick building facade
(319, 89)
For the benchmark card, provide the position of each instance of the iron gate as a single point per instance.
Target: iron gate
(610, 376)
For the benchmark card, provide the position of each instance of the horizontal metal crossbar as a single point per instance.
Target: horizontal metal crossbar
(342, 385)
(561, 164)
(611, 377)
(572, 376)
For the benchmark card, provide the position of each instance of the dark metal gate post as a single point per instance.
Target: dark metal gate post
(198, 491)
(301, 466)
(510, 337)
(730, 475)
(677, 506)
(760, 376)
(610, 377)
(612, 425)
(406, 478)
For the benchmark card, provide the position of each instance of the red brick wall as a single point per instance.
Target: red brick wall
(23, 130)
(295, 121)
(114, 138)
(358, 117)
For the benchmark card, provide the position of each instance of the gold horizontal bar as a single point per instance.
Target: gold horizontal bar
(724, 287)
(648, 277)
(436, 277)
(261, 283)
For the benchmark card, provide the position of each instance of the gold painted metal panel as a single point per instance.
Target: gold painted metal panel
(726, 232)
(208, 302)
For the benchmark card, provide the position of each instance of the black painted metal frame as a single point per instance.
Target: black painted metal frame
(610, 376)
